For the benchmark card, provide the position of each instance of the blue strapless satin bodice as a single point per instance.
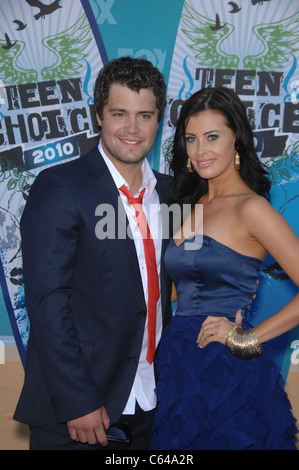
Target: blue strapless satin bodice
(211, 278)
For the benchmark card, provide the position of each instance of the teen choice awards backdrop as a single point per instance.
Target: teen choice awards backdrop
(50, 54)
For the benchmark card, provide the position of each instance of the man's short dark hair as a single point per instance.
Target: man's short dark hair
(133, 73)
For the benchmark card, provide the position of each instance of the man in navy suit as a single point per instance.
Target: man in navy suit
(86, 374)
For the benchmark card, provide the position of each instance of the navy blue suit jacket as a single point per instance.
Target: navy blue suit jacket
(83, 295)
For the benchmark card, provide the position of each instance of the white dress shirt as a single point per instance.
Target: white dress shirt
(143, 390)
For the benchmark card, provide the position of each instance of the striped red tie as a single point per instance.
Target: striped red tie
(151, 268)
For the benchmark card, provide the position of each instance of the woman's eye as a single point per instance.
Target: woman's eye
(190, 140)
(213, 137)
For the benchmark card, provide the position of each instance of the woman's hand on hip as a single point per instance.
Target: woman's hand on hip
(216, 329)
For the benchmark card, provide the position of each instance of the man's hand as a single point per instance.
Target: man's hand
(90, 428)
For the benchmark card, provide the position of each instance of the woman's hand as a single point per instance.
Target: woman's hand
(216, 329)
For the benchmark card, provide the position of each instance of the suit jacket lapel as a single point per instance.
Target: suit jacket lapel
(110, 195)
(162, 188)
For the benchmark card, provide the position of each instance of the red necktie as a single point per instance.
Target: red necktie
(151, 268)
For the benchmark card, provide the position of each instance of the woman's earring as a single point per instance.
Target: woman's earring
(190, 167)
(237, 161)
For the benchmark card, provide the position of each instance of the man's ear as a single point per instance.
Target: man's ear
(99, 121)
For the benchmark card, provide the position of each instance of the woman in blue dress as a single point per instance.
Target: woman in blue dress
(218, 387)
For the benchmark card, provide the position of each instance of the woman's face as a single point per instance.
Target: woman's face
(210, 144)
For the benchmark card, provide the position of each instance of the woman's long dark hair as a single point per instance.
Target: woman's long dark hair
(189, 187)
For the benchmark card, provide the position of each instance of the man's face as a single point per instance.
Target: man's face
(129, 124)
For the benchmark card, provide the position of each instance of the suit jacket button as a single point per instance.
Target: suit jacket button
(142, 313)
(53, 403)
(132, 359)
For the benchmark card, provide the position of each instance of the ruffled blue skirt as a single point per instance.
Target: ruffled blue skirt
(209, 400)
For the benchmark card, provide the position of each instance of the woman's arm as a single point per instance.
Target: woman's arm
(270, 230)
(174, 296)
(273, 232)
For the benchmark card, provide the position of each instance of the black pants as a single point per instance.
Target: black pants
(139, 423)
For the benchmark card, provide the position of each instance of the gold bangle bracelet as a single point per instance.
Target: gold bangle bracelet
(243, 344)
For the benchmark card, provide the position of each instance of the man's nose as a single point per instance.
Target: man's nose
(131, 125)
